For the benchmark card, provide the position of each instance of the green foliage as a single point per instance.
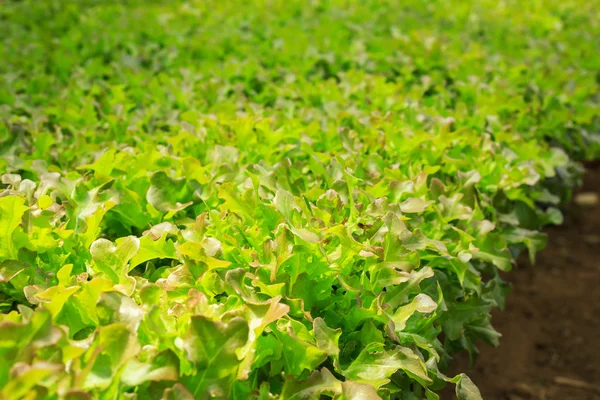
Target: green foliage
(218, 199)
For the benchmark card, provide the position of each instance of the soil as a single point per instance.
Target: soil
(550, 348)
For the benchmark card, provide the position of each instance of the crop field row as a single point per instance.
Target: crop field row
(277, 199)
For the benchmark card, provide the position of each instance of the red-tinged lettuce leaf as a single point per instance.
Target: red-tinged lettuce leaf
(318, 384)
(177, 392)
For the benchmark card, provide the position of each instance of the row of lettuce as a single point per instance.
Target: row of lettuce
(209, 199)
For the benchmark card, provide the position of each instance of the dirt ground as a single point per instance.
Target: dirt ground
(550, 349)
